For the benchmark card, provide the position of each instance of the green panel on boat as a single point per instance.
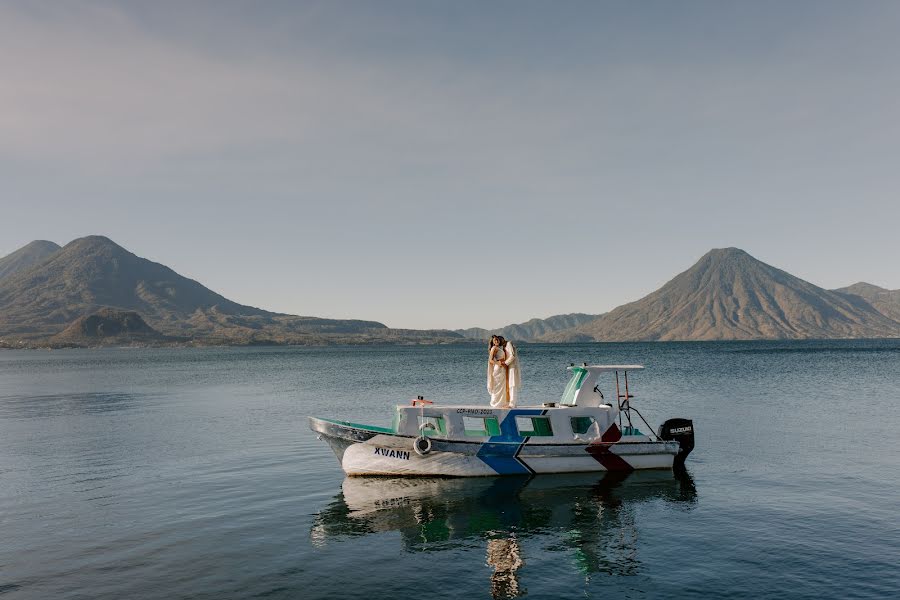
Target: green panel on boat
(533, 426)
(578, 375)
(580, 425)
(541, 426)
(440, 427)
(359, 426)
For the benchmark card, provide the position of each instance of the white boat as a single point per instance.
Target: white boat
(583, 432)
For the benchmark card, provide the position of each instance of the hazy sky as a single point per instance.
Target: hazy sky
(452, 164)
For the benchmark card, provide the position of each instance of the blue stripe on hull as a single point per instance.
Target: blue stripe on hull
(502, 458)
(499, 452)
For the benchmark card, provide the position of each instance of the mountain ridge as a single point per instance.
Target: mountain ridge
(25, 257)
(885, 301)
(532, 330)
(77, 293)
(93, 273)
(730, 295)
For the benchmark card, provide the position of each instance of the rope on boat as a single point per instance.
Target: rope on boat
(653, 433)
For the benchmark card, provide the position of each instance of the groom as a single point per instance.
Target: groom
(513, 377)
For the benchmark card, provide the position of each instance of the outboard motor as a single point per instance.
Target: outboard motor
(682, 431)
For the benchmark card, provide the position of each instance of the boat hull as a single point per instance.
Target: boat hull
(376, 451)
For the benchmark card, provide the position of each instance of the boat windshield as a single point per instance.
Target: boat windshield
(578, 375)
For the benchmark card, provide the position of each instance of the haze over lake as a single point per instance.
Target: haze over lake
(191, 473)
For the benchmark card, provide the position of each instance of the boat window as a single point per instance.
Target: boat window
(532, 426)
(578, 375)
(437, 426)
(481, 426)
(581, 425)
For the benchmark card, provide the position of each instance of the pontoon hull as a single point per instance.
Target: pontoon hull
(365, 451)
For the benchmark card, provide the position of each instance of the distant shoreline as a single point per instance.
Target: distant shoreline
(462, 342)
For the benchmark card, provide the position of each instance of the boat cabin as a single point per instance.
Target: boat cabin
(585, 410)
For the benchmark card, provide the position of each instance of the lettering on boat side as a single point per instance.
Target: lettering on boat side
(474, 411)
(392, 453)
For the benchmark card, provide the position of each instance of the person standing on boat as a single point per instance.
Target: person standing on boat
(497, 374)
(513, 375)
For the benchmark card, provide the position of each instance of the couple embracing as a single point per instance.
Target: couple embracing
(503, 378)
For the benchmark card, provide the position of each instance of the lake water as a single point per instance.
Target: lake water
(192, 473)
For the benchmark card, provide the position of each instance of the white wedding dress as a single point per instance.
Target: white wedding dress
(497, 383)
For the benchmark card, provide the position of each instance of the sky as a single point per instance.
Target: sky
(455, 164)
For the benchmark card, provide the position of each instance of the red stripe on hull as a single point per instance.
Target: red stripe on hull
(611, 435)
(602, 453)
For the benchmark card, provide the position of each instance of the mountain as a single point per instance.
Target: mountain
(26, 256)
(94, 292)
(107, 327)
(885, 301)
(530, 331)
(729, 295)
(94, 273)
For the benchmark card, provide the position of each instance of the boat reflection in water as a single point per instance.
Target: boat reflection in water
(587, 517)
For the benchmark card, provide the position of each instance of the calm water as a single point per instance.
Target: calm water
(191, 473)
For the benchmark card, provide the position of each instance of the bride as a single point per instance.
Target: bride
(497, 374)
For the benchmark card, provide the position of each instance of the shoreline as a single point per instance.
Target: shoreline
(459, 342)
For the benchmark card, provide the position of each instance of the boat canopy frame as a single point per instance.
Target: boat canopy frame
(587, 375)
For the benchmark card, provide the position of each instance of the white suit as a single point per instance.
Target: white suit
(515, 377)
